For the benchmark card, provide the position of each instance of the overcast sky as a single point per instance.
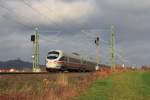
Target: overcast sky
(72, 25)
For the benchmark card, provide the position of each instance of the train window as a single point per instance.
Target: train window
(53, 55)
(74, 60)
(84, 61)
(63, 58)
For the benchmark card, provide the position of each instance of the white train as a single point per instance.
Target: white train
(57, 60)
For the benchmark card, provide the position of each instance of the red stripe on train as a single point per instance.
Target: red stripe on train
(69, 63)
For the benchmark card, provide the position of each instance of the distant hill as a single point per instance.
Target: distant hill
(17, 64)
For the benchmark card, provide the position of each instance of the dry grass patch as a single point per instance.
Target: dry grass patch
(60, 86)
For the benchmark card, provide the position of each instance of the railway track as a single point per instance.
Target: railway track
(14, 73)
(10, 73)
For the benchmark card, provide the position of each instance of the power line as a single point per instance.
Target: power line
(57, 32)
(44, 5)
(11, 11)
(121, 58)
(27, 3)
(56, 35)
(89, 36)
(16, 22)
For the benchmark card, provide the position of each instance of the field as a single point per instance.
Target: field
(56, 86)
(76, 86)
(120, 86)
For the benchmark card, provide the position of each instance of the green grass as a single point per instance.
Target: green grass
(146, 78)
(98, 91)
(146, 87)
(123, 86)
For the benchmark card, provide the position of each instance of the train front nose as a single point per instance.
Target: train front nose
(53, 65)
(52, 58)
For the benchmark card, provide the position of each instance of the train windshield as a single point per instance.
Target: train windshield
(53, 55)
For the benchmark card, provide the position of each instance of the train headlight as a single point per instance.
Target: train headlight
(33, 57)
(96, 67)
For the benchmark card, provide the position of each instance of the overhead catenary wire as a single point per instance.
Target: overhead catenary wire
(122, 59)
(49, 40)
(117, 52)
(50, 11)
(40, 13)
(107, 44)
(12, 19)
(62, 39)
(28, 3)
(89, 36)
(58, 33)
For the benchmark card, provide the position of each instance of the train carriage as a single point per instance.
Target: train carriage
(57, 60)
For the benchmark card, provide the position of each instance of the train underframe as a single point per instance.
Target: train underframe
(68, 69)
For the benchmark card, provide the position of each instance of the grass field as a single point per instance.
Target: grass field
(59, 86)
(79, 86)
(120, 86)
